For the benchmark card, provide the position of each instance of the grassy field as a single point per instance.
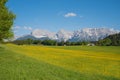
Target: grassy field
(59, 63)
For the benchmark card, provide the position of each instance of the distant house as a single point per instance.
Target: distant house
(90, 44)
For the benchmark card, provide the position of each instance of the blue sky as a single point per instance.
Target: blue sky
(54, 15)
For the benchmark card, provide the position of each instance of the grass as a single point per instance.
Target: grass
(106, 49)
(59, 63)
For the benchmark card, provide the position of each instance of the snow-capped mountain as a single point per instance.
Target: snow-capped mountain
(92, 34)
(63, 35)
(43, 33)
(86, 34)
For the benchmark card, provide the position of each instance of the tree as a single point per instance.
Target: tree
(49, 42)
(37, 42)
(6, 21)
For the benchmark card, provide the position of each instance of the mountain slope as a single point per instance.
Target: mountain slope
(63, 35)
(43, 33)
(27, 37)
(91, 34)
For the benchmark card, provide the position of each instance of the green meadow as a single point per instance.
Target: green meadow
(27, 62)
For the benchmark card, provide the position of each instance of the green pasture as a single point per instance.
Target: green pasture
(27, 62)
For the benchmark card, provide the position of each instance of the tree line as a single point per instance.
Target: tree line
(48, 42)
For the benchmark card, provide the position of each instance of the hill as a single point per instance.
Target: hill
(111, 40)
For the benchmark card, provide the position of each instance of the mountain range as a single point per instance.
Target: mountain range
(86, 34)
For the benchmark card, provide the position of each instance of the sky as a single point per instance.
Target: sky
(54, 15)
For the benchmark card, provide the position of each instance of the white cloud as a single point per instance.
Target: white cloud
(27, 28)
(15, 31)
(71, 14)
(17, 27)
(22, 27)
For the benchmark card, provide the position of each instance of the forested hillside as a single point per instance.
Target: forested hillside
(111, 40)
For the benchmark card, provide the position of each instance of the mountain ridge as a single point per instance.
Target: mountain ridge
(86, 34)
